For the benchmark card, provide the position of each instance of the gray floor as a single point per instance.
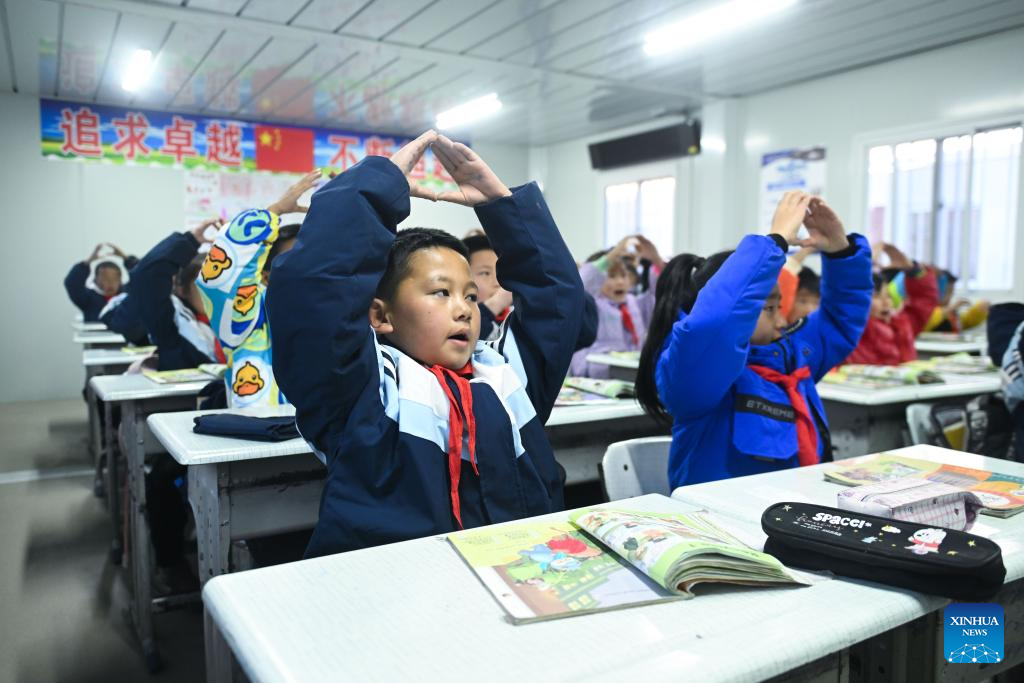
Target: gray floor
(61, 601)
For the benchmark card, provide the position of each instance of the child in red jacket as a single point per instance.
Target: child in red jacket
(889, 336)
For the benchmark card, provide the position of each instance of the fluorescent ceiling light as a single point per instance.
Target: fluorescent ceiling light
(137, 72)
(711, 23)
(470, 111)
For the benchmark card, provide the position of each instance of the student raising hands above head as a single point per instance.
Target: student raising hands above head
(889, 336)
(233, 282)
(722, 363)
(169, 303)
(622, 316)
(106, 281)
(423, 428)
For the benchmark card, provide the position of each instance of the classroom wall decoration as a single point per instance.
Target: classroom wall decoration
(72, 130)
(789, 169)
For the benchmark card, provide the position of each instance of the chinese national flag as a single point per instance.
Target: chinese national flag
(284, 149)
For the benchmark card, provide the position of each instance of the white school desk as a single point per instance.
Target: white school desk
(618, 368)
(846, 613)
(243, 489)
(864, 420)
(929, 348)
(79, 326)
(101, 362)
(137, 396)
(99, 340)
(414, 610)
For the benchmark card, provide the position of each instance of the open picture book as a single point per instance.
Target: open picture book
(881, 376)
(605, 559)
(205, 373)
(1001, 495)
(589, 391)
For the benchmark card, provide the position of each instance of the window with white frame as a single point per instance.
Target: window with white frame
(645, 207)
(951, 201)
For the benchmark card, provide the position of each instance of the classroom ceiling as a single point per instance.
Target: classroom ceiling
(563, 68)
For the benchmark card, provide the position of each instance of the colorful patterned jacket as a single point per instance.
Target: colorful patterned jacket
(231, 283)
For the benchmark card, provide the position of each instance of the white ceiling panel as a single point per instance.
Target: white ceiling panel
(277, 11)
(133, 33)
(595, 30)
(495, 19)
(366, 104)
(336, 92)
(228, 56)
(437, 19)
(262, 71)
(540, 27)
(34, 25)
(329, 15)
(381, 18)
(293, 90)
(180, 56)
(221, 6)
(85, 43)
(563, 68)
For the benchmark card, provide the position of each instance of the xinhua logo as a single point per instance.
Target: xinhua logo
(973, 633)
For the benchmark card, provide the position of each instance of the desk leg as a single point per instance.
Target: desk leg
(133, 423)
(218, 654)
(212, 511)
(95, 435)
(112, 454)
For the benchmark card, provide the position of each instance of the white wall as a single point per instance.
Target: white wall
(54, 212)
(974, 82)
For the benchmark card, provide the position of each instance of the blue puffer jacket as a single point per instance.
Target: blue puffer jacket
(728, 420)
(376, 416)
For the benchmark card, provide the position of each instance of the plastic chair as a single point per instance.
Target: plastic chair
(938, 425)
(635, 467)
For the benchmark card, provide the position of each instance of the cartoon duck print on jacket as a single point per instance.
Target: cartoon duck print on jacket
(217, 263)
(234, 297)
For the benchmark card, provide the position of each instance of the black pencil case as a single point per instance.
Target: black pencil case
(923, 558)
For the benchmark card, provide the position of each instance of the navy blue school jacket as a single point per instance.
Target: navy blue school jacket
(124, 319)
(152, 287)
(377, 417)
(89, 301)
(728, 421)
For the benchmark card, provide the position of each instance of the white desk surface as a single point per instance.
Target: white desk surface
(100, 337)
(419, 611)
(939, 346)
(955, 385)
(613, 361)
(79, 326)
(136, 387)
(92, 357)
(174, 431)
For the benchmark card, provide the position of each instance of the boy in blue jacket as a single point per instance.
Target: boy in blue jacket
(738, 383)
(423, 429)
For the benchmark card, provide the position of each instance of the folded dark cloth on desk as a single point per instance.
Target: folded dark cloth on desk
(246, 427)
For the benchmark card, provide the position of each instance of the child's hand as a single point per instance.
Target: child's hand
(289, 201)
(499, 301)
(406, 159)
(620, 250)
(789, 214)
(646, 249)
(116, 249)
(199, 232)
(477, 182)
(95, 253)
(826, 232)
(897, 259)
